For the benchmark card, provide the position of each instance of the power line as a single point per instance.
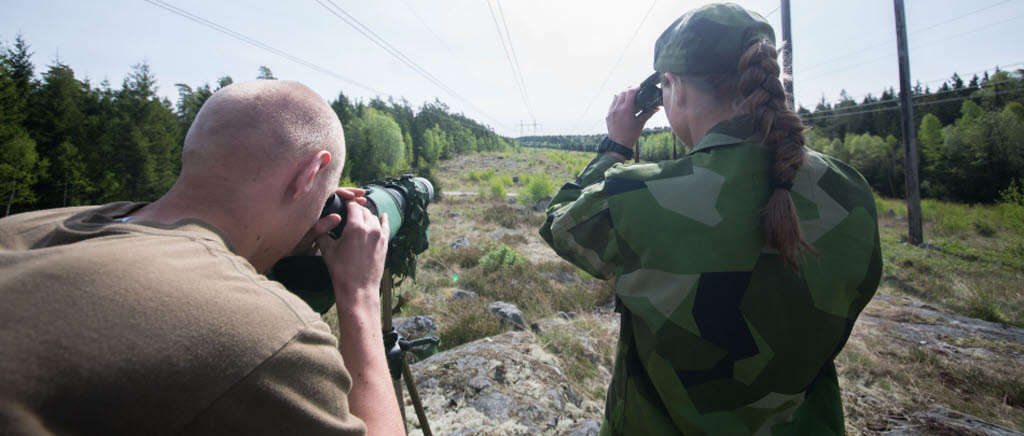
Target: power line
(919, 96)
(513, 60)
(616, 65)
(928, 103)
(200, 20)
(427, 26)
(773, 11)
(890, 40)
(1007, 67)
(972, 73)
(390, 49)
(919, 46)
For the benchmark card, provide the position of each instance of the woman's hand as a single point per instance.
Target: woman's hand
(624, 125)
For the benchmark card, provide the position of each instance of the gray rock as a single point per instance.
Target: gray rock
(940, 420)
(588, 427)
(505, 384)
(460, 243)
(928, 246)
(536, 328)
(508, 313)
(415, 327)
(542, 204)
(563, 315)
(459, 294)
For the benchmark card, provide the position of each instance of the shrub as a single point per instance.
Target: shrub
(500, 257)
(1013, 205)
(497, 190)
(540, 186)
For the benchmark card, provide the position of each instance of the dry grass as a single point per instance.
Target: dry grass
(885, 378)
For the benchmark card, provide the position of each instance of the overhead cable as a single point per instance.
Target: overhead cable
(200, 20)
(625, 49)
(813, 117)
(513, 61)
(364, 30)
(890, 40)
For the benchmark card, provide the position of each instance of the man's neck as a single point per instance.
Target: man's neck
(241, 230)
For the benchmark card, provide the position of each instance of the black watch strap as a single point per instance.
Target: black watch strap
(608, 145)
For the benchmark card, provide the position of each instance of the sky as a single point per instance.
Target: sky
(574, 55)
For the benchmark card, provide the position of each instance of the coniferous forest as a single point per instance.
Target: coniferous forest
(970, 137)
(66, 141)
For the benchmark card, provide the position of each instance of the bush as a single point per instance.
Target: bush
(500, 257)
(497, 189)
(540, 186)
(1013, 205)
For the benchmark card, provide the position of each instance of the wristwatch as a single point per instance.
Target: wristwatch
(609, 145)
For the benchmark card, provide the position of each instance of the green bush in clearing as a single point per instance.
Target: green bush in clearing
(497, 190)
(500, 257)
(540, 186)
(1013, 205)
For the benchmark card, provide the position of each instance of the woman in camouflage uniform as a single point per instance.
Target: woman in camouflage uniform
(740, 268)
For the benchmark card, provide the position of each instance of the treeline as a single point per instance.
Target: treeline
(970, 137)
(66, 141)
(573, 142)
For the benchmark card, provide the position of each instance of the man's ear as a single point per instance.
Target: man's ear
(305, 176)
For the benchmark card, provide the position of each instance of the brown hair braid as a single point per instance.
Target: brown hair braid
(764, 100)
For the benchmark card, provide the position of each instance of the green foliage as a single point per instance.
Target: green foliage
(539, 187)
(67, 142)
(501, 256)
(265, 74)
(18, 160)
(497, 190)
(1013, 204)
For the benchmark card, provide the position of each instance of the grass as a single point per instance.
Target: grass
(585, 346)
(882, 379)
(978, 269)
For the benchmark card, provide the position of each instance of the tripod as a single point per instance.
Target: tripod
(395, 347)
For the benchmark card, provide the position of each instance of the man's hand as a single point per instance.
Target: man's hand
(356, 260)
(356, 265)
(624, 126)
(308, 246)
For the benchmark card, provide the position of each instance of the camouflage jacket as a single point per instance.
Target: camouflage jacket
(718, 335)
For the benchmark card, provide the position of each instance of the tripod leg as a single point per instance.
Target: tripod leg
(421, 414)
(401, 407)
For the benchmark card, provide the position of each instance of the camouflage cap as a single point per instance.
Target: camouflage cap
(710, 39)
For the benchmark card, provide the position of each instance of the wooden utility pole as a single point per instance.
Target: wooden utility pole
(909, 129)
(787, 55)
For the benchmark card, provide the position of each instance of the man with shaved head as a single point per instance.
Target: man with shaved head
(158, 319)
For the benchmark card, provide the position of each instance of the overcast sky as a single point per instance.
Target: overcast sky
(567, 50)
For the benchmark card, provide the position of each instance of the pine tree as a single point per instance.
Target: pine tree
(265, 74)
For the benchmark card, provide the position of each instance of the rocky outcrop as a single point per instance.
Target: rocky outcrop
(951, 335)
(942, 421)
(504, 385)
(508, 313)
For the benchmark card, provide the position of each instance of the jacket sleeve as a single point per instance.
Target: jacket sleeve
(579, 225)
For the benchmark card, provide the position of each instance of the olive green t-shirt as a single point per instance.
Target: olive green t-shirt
(112, 328)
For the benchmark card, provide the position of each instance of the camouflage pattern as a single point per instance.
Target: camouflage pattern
(710, 40)
(718, 335)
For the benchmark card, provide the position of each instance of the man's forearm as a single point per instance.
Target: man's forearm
(372, 397)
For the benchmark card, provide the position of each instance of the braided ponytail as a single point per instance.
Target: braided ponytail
(783, 132)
